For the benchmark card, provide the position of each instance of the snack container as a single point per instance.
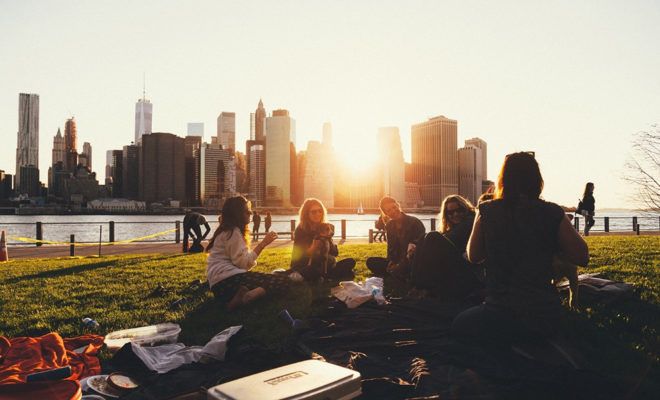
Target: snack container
(306, 380)
(144, 336)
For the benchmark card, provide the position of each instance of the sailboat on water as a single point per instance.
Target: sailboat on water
(360, 209)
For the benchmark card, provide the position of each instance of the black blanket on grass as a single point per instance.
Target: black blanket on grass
(403, 350)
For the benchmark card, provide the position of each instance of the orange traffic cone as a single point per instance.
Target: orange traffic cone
(4, 255)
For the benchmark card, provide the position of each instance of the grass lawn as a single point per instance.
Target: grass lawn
(43, 295)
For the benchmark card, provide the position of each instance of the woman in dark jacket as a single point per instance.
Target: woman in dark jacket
(440, 268)
(517, 235)
(307, 241)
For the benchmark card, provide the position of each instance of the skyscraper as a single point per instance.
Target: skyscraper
(192, 144)
(130, 172)
(280, 171)
(469, 172)
(252, 126)
(215, 174)
(256, 169)
(227, 130)
(434, 159)
(162, 167)
(71, 144)
(196, 129)
(59, 148)
(86, 155)
(392, 163)
(108, 164)
(27, 148)
(143, 117)
(318, 173)
(260, 121)
(117, 172)
(480, 144)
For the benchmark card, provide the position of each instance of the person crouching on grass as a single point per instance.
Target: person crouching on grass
(404, 232)
(230, 259)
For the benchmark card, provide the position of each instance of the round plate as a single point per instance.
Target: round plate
(121, 382)
(99, 384)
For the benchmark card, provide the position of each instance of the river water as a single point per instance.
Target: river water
(86, 228)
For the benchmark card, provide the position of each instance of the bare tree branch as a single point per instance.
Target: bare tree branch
(642, 170)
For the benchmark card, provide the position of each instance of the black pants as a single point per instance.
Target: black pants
(227, 288)
(377, 265)
(495, 325)
(440, 268)
(187, 234)
(341, 270)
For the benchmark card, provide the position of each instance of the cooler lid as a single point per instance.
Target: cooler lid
(302, 380)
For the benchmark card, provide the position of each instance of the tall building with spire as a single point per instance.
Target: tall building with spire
(59, 149)
(260, 121)
(143, 116)
(70, 144)
(27, 147)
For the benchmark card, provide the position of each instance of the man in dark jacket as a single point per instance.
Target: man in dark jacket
(404, 232)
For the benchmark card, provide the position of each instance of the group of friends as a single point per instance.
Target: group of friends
(501, 252)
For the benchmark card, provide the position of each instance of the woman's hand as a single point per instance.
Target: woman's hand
(269, 238)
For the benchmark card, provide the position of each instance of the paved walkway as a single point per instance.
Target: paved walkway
(48, 251)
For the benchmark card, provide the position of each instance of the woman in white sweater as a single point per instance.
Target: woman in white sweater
(230, 259)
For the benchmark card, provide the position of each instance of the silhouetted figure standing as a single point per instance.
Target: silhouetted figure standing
(191, 228)
(588, 207)
(256, 224)
(380, 229)
(268, 221)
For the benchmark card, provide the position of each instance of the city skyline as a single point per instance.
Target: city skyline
(547, 83)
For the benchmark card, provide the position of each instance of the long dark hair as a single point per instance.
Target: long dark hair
(588, 190)
(304, 221)
(445, 225)
(233, 216)
(520, 176)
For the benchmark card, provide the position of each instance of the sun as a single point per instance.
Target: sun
(356, 158)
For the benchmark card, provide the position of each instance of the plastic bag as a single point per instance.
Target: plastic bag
(354, 294)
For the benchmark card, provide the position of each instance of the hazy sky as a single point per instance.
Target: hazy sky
(570, 80)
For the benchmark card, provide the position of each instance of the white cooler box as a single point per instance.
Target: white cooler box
(306, 380)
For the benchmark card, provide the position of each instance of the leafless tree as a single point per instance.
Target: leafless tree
(643, 168)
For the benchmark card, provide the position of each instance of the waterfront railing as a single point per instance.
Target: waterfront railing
(116, 232)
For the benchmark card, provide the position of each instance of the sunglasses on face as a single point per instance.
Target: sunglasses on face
(455, 211)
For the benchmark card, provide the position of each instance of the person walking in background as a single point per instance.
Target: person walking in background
(230, 259)
(380, 229)
(517, 236)
(191, 229)
(440, 268)
(256, 224)
(268, 221)
(588, 207)
(307, 240)
(404, 232)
